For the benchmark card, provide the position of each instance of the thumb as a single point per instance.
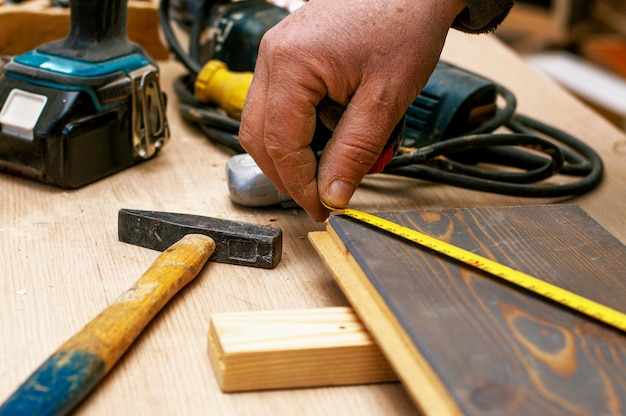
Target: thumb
(357, 142)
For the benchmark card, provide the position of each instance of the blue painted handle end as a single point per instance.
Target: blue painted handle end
(57, 386)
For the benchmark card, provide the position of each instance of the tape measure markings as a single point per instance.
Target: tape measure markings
(555, 293)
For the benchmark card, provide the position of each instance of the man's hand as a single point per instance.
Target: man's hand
(371, 56)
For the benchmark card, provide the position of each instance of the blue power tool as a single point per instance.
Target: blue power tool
(81, 108)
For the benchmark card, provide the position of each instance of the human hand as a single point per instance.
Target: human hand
(371, 56)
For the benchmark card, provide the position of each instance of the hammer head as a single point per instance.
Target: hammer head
(236, 242)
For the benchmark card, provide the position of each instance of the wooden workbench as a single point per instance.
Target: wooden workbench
(61, 262)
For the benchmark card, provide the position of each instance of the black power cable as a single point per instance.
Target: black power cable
(517, 163)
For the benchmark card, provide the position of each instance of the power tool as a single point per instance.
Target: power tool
(81, 108)
(455, 131)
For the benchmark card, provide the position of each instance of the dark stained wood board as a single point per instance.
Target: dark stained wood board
(492, 348)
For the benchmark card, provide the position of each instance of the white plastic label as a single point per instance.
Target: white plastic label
(20, 113)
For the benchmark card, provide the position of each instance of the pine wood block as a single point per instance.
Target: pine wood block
(464, 342)
(263, 350)
(25, 26)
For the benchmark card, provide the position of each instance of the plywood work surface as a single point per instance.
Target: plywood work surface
(492, 348)
(62, 263)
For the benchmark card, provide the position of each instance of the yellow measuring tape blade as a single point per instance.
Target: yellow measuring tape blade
(564, 297)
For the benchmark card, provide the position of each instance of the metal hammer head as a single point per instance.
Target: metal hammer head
(236, 242)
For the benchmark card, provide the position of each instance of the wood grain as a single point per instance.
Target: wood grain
(495, 347)
(62, 263)
(294, 348)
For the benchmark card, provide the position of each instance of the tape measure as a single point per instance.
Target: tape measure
(557, 294)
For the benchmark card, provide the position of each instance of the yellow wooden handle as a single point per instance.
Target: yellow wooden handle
(110, 333)
(69, 374)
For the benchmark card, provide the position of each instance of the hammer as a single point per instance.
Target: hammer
(187, 242)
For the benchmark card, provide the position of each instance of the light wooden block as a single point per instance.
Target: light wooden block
(294, 348)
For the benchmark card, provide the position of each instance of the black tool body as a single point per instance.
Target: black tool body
(236, 242)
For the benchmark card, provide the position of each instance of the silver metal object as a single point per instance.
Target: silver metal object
(248, 185)
(150, 128)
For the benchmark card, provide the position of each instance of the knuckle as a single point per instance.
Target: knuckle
(362, 152)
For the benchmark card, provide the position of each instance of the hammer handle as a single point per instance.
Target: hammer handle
(67, 376)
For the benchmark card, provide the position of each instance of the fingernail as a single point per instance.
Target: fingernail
(339, 193)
